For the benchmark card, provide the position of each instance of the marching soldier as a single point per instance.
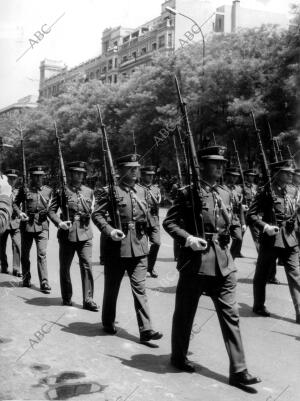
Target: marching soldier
(126, 249)
(250, 193)
(34, 225)
(75, 235)
(5, 203)
(13, 230)
(238, 226)
(206, 265)
(153, 200)
(278, 238)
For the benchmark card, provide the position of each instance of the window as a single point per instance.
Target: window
(110, 64)
(134, 55)
(124, 59)
(143, 50)
(106, 45)
(169, 40)
(115, 78)
(115, 43)
(104, 69)
(110, 79)
(116, 62)
(154, 46)
(97, 74)
(161, 41)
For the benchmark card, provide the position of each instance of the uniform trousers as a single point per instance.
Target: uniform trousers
(237, 240)
(222, 291)
(266, 259)
(154, 238)
(41, 241)
(67, 251)
(114, 270)
(16, 249)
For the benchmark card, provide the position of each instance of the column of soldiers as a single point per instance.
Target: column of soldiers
(205, 258)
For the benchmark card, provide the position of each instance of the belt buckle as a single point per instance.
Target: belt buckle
(131, 226)
(76, 217)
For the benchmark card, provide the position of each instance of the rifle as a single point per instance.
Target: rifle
(177, 162)
(196, 192)
(63, 179)
(278, 149)
(183, 150)
(134, 143)
(273, 143)
(104, 161)
(291, 156)
(266, 171)
(111, 177)
(241, 171)
(24, 170)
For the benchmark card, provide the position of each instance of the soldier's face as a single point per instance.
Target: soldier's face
(285, 177)
(77, 177)
(37, 179)
(148, 178)
(130, 173)
(250, 178)
(12, 180)
(213, 169)
(296, 179)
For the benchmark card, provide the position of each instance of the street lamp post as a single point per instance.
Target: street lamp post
(174, 12)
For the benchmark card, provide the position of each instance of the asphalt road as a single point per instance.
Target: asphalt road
(50, 351)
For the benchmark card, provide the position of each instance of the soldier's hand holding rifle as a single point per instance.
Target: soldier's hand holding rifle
(117, 235)
(5, 188)
(196, 243)
(65, 225)
(271, 230)
(23, 216)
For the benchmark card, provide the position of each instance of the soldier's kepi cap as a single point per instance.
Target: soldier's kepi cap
(38, 170)
(148, 170)
(212, 153)
(12, 172)
(250, 172)
(128, 160)
(233, 171)
(282, 165)
(77, 166)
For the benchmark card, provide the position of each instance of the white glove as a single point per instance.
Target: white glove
(196, 243)
(5, 188)
(65, 225)
(244, 228)
(117, 235)
(271, 230)
(23, 216)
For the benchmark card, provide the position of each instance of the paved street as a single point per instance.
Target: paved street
(50, 351)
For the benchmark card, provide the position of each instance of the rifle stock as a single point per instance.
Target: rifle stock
(111, 177)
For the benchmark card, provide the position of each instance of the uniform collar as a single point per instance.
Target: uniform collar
(75, 189)
(213, 187)
(126, 187)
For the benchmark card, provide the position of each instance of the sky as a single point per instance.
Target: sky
(74, 37)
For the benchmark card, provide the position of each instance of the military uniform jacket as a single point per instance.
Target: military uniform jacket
(250, 192)
(80, 202)
(37, 202)
(5, 212)
(179, 223)
(132, 206)
(284, 207)
(238, 217)
(153, 201)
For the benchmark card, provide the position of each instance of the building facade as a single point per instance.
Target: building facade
(125, 49)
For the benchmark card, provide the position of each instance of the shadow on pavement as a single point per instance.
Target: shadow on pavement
(161, 364)
(18, 284)
(46, 301)
(297, 338)
(246, 311)
(166, 290)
